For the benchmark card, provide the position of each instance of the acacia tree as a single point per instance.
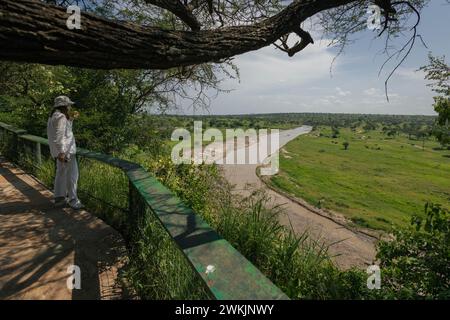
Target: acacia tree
(199, 31)
(109, 97)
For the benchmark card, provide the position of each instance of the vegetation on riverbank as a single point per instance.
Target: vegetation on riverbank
(379, 181)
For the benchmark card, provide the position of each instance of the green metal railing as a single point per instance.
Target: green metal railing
(225, 273)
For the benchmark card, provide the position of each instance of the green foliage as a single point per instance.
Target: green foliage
(104, 189)
(442, 107)
(367, 122)
(439, 72)
(345, 144)
(193, 184)
(27, 93)
(335, 132)
(437, 220)
(111, 102)
(46, 173)
(442, 128)
(416, 264)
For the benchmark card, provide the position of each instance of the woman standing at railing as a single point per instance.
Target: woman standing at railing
(62, 147)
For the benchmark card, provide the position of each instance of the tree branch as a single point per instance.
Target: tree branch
(305, 39)
(178, 9)
(31, 31)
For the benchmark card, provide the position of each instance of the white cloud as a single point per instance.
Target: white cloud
(270, 68)
(410, 74)
(371, 91)
(343, 93)
(272, 82)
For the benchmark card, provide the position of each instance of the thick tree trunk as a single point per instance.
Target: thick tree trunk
(31, 31)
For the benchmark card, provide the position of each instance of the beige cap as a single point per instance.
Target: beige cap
(62, 101)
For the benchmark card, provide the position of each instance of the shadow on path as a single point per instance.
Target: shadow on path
(39, 242)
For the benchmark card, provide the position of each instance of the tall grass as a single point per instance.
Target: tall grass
(297, 264)
(46, 172)
(104, 190)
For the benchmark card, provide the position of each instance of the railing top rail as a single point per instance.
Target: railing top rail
(32, 138)
(226, 272)
(11, 128)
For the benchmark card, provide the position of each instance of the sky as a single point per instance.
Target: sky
(271, 82)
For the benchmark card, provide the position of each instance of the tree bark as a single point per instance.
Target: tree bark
(31, 31)
(178, 9)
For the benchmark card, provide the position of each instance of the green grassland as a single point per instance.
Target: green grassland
(378, 182)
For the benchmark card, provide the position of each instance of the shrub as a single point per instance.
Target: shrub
(416, 264)
(345, 144)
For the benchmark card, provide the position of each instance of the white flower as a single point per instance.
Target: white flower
(210, 269)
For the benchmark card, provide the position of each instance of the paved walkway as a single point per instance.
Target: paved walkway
(39, 242)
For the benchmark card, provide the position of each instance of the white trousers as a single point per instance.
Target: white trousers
(66, 178)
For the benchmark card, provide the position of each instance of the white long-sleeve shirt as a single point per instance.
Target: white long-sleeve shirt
(60, 135)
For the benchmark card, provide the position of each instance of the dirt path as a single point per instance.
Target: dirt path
(349, 248)
(38, 243)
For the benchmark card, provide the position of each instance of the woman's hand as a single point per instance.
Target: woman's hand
(61, 157)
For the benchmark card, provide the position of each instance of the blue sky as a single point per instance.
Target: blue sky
(272, 82)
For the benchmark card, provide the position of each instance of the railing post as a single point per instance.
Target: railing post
(136, 209)
(133, 209)
(38, 155)
(131, 200)
(15, 147)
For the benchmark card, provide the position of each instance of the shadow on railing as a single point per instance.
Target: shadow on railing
(220, 268)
